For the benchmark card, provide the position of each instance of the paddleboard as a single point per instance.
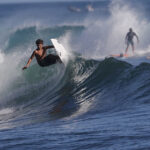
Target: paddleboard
(61, 51)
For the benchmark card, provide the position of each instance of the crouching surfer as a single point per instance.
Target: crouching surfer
(42, 58)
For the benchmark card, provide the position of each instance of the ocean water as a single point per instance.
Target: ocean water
(95, 102)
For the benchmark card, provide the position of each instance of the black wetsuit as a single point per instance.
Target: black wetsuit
(49, 60)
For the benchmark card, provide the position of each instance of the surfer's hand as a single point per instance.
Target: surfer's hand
(24, 68)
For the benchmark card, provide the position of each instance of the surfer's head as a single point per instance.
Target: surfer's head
(39, 41)
(130, 29)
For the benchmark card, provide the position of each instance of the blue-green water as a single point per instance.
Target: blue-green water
(94, 102)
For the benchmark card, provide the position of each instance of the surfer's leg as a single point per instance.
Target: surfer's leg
(49, 60)
(132, 47)
(126, 49)
(52, 59)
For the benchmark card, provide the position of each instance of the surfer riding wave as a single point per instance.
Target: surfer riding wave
(129, 40)
(40, 54)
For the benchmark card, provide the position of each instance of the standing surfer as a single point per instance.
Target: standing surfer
(129, 40)
(41, 57)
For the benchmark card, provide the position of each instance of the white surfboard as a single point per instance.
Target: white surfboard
(61, 51)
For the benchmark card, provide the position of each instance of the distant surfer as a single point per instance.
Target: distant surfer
(74, 9)
(129, 40)
(41, 57)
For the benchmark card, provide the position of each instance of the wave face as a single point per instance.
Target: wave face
(95, 101)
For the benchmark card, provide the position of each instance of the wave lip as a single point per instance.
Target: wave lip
(85, 86)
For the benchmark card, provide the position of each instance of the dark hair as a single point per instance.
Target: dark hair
(130, 29)
(39, 41)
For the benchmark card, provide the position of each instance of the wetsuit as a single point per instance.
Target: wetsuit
(49, 60)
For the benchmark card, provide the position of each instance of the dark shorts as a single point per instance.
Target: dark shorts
(49, 60)
(130, 42)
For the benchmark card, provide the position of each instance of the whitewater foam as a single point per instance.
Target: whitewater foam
(1, 58)
(6, 111)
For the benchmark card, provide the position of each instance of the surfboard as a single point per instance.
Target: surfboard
(61, 51)
(120, 55)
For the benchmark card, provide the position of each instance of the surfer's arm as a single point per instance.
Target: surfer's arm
(29, 61)
(49, 46)
(44, 50)
(137, 37)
